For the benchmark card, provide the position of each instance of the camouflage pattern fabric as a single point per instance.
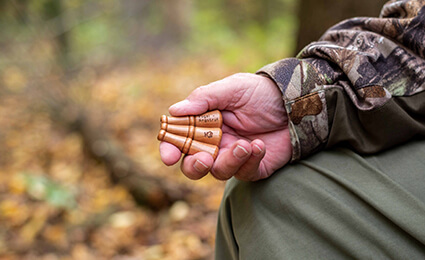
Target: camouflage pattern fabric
(360, 70)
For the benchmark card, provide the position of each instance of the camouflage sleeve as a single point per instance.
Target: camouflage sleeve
(361, 85)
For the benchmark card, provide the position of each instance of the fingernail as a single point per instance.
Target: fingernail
(240, 152)
(258, 150)
(180, 104)
(200, 166)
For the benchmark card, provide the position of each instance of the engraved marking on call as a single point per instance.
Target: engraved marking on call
(209, 134)
(208, 118)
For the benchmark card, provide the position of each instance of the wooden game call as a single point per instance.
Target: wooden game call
(187, 145)
(192, 134)
(212, 119)
(201, 134)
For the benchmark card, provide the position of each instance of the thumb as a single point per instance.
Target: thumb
(220, 95)
(188, 107)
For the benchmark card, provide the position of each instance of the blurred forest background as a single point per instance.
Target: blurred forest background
(82, 87)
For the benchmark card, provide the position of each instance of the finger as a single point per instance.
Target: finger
(197, 166)
(231, 119)
(217, 95)
(250, 170)
(169, 153)
(229, 161)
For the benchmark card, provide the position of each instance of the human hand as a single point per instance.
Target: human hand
(254, 119)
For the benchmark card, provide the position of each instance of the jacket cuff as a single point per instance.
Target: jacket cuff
(305, 103)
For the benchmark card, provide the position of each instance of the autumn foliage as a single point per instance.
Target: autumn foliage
(82, 87)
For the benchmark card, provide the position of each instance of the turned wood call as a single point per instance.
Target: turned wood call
(192, 134)
(212, 119)
(187, 145)
(201, 134)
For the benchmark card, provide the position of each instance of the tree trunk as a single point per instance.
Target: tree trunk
(53, 10)
(316, 16)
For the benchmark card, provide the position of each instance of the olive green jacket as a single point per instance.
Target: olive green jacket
(361, 85)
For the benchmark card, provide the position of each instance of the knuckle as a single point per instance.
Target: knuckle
(197, 91)
(200, 91)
